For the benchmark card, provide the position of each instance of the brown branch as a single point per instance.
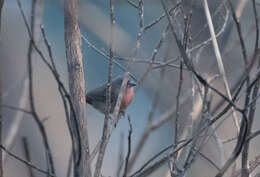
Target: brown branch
(76, 82)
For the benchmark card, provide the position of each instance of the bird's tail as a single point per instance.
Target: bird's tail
(88, 100)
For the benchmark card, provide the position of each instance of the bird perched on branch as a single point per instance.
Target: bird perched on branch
(97, 96)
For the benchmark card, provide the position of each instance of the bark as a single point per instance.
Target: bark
(77, 82)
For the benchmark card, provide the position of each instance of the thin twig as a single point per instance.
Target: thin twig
(116, 116)
(129, 147)
(27, 154)
(120, 155)
(64, 95)
(239, 32)
(141, 171)
(240, 8)
(100, 52)
(26, 162)
(132, 4)
(48, 153)
(105, 133)
(16, 109)
(219, 59)
(251, 116)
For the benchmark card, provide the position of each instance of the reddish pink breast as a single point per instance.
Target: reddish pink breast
(128, 97)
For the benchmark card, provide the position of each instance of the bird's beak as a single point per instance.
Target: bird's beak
(131, 84)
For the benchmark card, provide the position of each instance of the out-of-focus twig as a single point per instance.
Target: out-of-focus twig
(27, 154)
(1, 117)
(244, 123)
(9, 140)
(30, 29)
(129, 147)
(70, 165)
(219, 59)
(26, 162)
(240, 8)
(252, 109)
(120, 162)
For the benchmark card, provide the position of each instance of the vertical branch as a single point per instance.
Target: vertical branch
(251, 116)
(105, 134)
(76, 82)
(1, 118)
(18, 118)
(239, 32)
(27, 154)
(129, 147)
(120, 155)
(30, 29)
(177, 109)
(141, 24)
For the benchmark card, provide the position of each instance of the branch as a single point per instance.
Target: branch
(129, 146)
(76, 83)
(105, 133)
(27, 154)
(219, 59)
(26, 162)
(48, 153)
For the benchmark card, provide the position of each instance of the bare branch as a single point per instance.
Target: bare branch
(26, 162)
(105, 133)
(48, 153)
(77, 83)
(27, 154)
(129, 147)
(219, 60)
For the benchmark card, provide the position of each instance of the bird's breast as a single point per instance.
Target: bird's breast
(128, 97)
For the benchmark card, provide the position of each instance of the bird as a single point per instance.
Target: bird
(97, 96)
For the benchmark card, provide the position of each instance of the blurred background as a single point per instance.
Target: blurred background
(94, 19)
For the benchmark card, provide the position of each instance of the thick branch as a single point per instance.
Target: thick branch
(76, 82)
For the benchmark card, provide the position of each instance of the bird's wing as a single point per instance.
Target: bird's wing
(97, 95)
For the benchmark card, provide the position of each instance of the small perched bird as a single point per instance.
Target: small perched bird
(97, 96)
